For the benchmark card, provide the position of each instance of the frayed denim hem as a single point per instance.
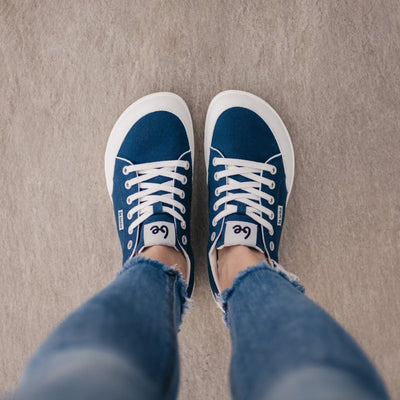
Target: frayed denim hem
(276, 268)
(187, 303)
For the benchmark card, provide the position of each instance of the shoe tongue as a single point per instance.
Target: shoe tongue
(240, 229)
(159, 229)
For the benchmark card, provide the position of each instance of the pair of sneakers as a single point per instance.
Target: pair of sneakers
(250, 168)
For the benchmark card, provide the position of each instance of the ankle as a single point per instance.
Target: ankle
(234, 259)
(169, 256)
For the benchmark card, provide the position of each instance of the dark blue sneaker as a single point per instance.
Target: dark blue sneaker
(148, 165)
(250, 168)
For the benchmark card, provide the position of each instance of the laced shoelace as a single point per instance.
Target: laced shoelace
(146, 195)
(247, 192)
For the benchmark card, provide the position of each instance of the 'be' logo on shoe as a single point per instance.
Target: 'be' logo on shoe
(240, 232)
(159, 233)
(163, 229)
(245, 229)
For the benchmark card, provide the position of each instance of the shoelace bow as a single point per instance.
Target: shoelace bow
(248, 192)
(146, 194)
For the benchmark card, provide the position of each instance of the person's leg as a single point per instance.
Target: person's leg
(284, 346)
(121, 344)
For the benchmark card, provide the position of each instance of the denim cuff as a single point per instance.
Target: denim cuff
(144, 262)
(274, 268)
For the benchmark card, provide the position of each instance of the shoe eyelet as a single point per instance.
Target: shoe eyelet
(130, 231)
(129, 245)
(183, 225)
(183, 210)
(274, 170)
(215, 207)
(129, 216)
(216, 192)
(128, 201)
(213, 236)
(272, 185)
(125, 170)
(127, 185)
(184, 180)
(272, 216)
(214, 161)
(187, 165)
(271, 233)
(271, 201)
(182, 194)
(213, 223)
(271, 246)
(184, 239)
(216, 176)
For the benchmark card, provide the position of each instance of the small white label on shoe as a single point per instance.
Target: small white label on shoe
(280, 214)
(159, 233)
(120, 220)
(240, 232)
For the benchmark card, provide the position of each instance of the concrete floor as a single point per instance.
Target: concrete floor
(330, 68)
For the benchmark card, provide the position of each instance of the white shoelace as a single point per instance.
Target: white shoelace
(146, 194)
(248, 192)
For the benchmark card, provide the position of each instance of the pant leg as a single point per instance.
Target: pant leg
(121, 344)
(284, 346)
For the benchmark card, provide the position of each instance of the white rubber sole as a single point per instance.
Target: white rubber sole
(237, 98)
(162, 101)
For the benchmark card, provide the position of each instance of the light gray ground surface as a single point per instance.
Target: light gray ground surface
(330, 68)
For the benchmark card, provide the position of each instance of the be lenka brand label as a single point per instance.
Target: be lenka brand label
(159, 233)
(240, 232)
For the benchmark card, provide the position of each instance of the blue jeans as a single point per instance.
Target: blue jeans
(122, 343)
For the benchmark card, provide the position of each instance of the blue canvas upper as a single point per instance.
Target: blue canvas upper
(157, 136)
(240, 133)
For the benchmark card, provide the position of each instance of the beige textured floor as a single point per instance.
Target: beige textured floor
(330, 68)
